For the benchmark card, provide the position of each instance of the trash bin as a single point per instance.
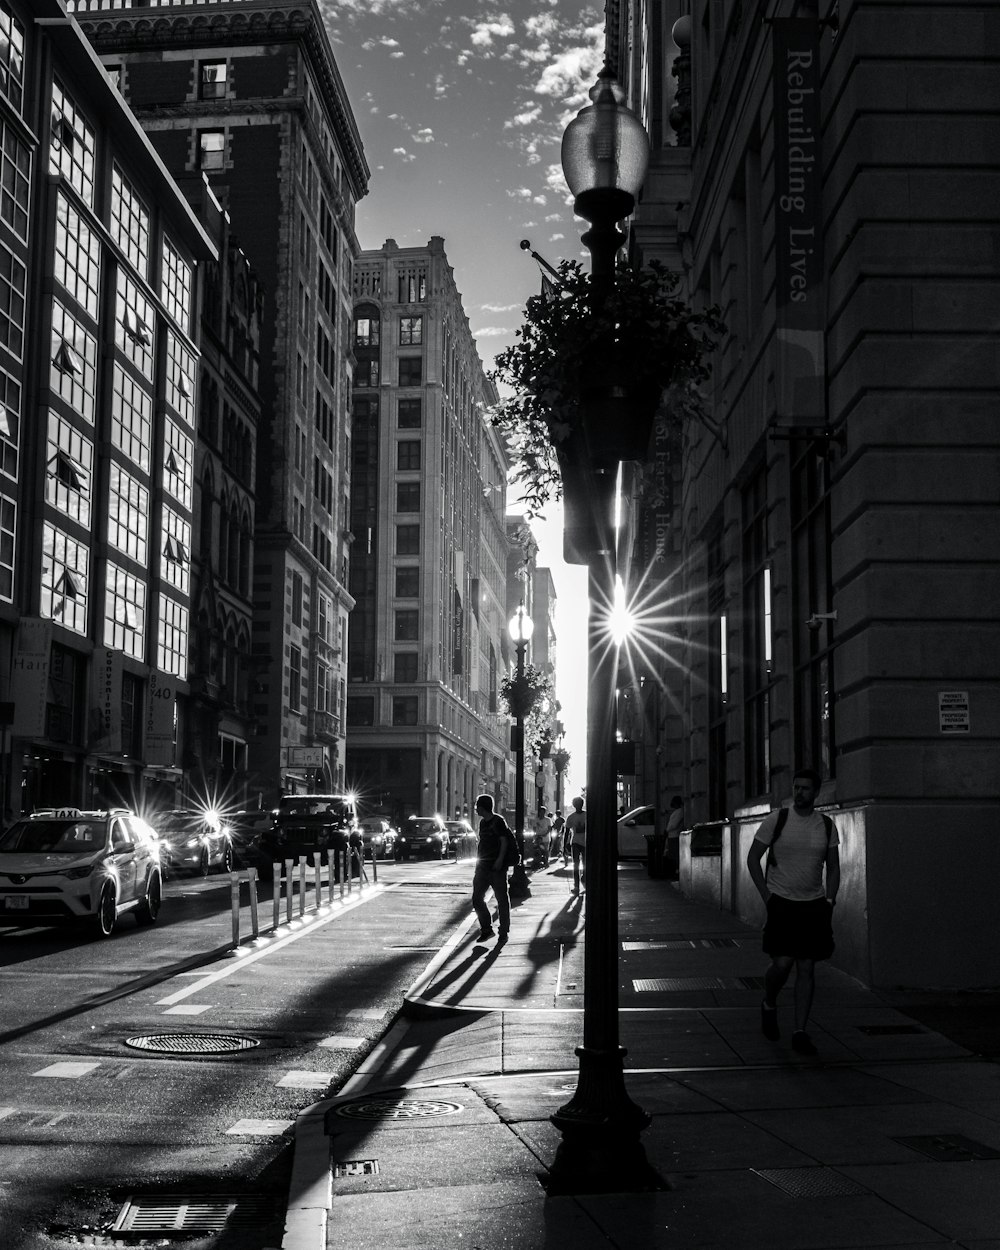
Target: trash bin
(656, 845)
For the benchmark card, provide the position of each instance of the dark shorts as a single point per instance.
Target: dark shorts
(798, 930)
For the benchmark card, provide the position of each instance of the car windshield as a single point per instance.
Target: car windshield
(64, 837)
(426, 825)
(316, 805)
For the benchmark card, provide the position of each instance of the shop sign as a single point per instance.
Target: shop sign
(30, 677)
(106, 702)
(159, 743)
(953, 711)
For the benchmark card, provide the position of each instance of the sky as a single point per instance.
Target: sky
(461, 105)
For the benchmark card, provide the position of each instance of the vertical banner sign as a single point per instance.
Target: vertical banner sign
(159, 744)
(798, 222)
(30, 678)
(106, 702)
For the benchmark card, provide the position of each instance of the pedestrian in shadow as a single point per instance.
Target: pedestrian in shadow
(496, 853)
(576, 833)
(798, 930)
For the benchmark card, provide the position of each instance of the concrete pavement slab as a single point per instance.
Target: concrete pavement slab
(957, 1200)
(970, 1084)
(805, 1086)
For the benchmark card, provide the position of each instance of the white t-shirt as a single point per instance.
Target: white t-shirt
(797, 870)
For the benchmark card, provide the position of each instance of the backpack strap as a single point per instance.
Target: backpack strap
(779, 824)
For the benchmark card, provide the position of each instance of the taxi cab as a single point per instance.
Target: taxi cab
(69, 864)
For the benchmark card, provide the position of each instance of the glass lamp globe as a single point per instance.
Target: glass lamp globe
(521, 626)
(605, 152)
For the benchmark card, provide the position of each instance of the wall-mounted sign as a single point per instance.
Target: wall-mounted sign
(30, 677)
(306, 757)
(953, 711)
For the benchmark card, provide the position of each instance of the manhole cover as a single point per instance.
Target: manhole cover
(810, 1182)
(192, 1043)
(394, 1109)
(188, 1213)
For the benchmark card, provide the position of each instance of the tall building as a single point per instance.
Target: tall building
(826, 543)
(98, 372)
(427, 645)
(248, 92)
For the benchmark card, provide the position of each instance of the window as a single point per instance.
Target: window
(408, 454)
(404, 710)
(411, 370)
(10, 415)
(15, 174)
(718, 672)
(407, 496)
(408, 582)
(12, 284)
(407, 625)
(410, 414)
(131, 418)
(134, 324)
(405, 666)
(178, 462)
(361, 710)
(756, 639)
(366, 373)
(412, 288)
(69, 459)
(128, 519)
(172, 637)
(180, 377)
(407, 540)
(129, 222)
(411, 331)
(294, 679)
(65, 579)
(11, 57)
(296, 599)
(366, 332)
(77, 263)
(176, 285)
(8, 528)
(124, 612)
(212, 80)
(73, 375)
(71, 150)
(211, 149)
(175, 566)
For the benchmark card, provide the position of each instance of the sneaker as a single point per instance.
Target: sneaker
(503, 937)
(769, 1023)
(802, 1043)
(484, 935)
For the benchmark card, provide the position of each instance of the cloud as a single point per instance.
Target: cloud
(572, 72)
(524, 119)
(484, 32)
(491, 332)
(426, 135)
(498, 307)
(403, 154)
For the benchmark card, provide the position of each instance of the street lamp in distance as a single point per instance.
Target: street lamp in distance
(520, 628)
(605, 153)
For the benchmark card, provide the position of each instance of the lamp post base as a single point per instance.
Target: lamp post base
(600, 1151)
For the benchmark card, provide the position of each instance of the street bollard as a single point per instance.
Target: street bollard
(289, 865)
(302, 887)
(276, 894)
(235, 878)
(318, 879)
(254, 920)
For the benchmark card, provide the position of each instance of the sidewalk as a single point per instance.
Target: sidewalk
(891, 1137)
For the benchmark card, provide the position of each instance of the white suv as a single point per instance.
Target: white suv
(68, 864)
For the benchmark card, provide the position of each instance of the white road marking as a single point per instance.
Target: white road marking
(340, 1042)
(297, 1079)
(187, 1009)
(7, 1111)
(67, 1070)
(260, 1128)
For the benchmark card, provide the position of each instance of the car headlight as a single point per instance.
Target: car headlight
(192, 842)
(77, 874)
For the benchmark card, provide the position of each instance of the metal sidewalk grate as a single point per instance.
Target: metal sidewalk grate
(676, 985)
(679, 944)
(172, 1213)
(356, 1167)
(810, 1182)
(949, 1147)
(192, 1043)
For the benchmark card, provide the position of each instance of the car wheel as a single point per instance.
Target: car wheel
(149, 907)
(204, 865)
(107, 911)
(227, 859)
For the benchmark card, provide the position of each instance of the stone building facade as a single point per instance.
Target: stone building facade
(825, 544)
(428, 642)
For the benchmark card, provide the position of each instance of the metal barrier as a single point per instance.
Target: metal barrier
(343, 863)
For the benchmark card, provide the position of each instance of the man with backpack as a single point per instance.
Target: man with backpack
(799, 896)
(496, 853)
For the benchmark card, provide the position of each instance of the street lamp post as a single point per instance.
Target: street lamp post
(604, 154)
(521, 627)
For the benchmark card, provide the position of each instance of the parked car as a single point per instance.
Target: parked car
(463, 839)
(303, 824)
(68, 864)
(633, 830)
(422, 837)
(193, 841)
(247, 830)
(378, 836)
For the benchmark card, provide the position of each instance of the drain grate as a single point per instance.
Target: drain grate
(356, 1167)
(810, 1182)
(192, 1043)
(678, 984)
(949, 1147)
(172, 1213)
(888, 1030)
(393, 1109)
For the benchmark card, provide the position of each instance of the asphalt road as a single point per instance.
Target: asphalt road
(88, 1122)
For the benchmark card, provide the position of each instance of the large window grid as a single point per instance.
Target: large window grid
(71, 152)
(77, 263)
(13, 276)
(756, 638)
(175, 562)
(128, 515)
(131, 418)
(11, 57)
(8, 528)
(176, 285)
(180, 378)
(294, 679)
(15, 181)
(69, 460)
(73, 372)
(134, 324)
(10, 417)
(125, 612)
(411, 331)
(129, 222)
(408, 454)
(65, 579)
(178, 462)
(172, 637)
